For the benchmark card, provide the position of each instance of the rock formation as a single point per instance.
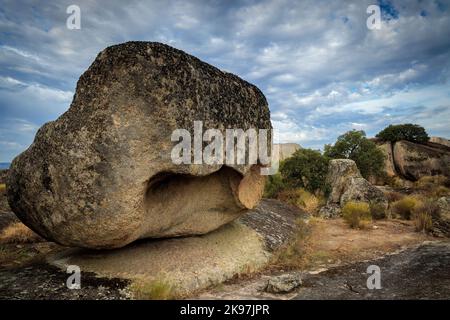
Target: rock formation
(389, 166)
(285, 150)
(101, 175)
(440, 140)
(411, 161)
(414, 160)
(347, 184)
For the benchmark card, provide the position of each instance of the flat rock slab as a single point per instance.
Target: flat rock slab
(417, 273)
(44, 282)
(193, 263)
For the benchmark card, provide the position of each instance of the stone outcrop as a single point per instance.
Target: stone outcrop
(188, 264)
(101, 175)
(389, 166)
(285, 150)
(347, 184)
(440, 140)
(410, 161)
(414, 160)
(3, 174)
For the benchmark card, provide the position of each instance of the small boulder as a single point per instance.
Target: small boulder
(347, 184)
(283, 283)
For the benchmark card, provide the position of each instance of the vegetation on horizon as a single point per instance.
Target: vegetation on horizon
(408, 131)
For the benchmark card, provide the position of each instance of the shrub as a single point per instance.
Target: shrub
(430, 207)
(377, 210)
(393, 196)
(2, 187)
(440, 191)
(154, 290)
(435, 186)
(424, 214)
(430, 182)
(306, 169)
(409, 132)
(355, 146)
(399, 183)
(404, 207)
(423, 222)
(356, 214)
(301, 199)
(294, 254)
(274, 185)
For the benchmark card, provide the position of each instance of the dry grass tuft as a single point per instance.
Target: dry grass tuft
(18, 233)
(393, 196)
(424, 214)
(404, 207)
(357, 214)
(295, 254)
(2, 187)
(302, 199)
(158, 289)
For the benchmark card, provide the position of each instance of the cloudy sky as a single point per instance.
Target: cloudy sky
(322, 70)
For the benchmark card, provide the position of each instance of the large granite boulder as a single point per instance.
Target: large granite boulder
(347, 184)
(101, 175)
(389, 166)
(414, 160)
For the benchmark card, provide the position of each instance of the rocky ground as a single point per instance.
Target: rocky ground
(420, 272)
(42, 281)
(413, 265)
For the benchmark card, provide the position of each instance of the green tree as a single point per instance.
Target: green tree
(355, 146)
(410, 132)
(307, 169)
(274, 185)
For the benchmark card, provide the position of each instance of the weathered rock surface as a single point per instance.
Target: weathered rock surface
(414, 160)
(347, 184)
(285, 150)
(283, 283)
(188, 264)
(3, 174)
(389, 166)
(440, 140)
(413, 274)
(101, 175)
(444, 205)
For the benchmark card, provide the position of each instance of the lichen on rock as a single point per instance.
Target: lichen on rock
(101, 175)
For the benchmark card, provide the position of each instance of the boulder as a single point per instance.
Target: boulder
(389, 166)
(3, 174)
(284, 283)
(414, 160)
(439, 140)
(444, 206)
(101, 175)
(285, 150)
(347, 184)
